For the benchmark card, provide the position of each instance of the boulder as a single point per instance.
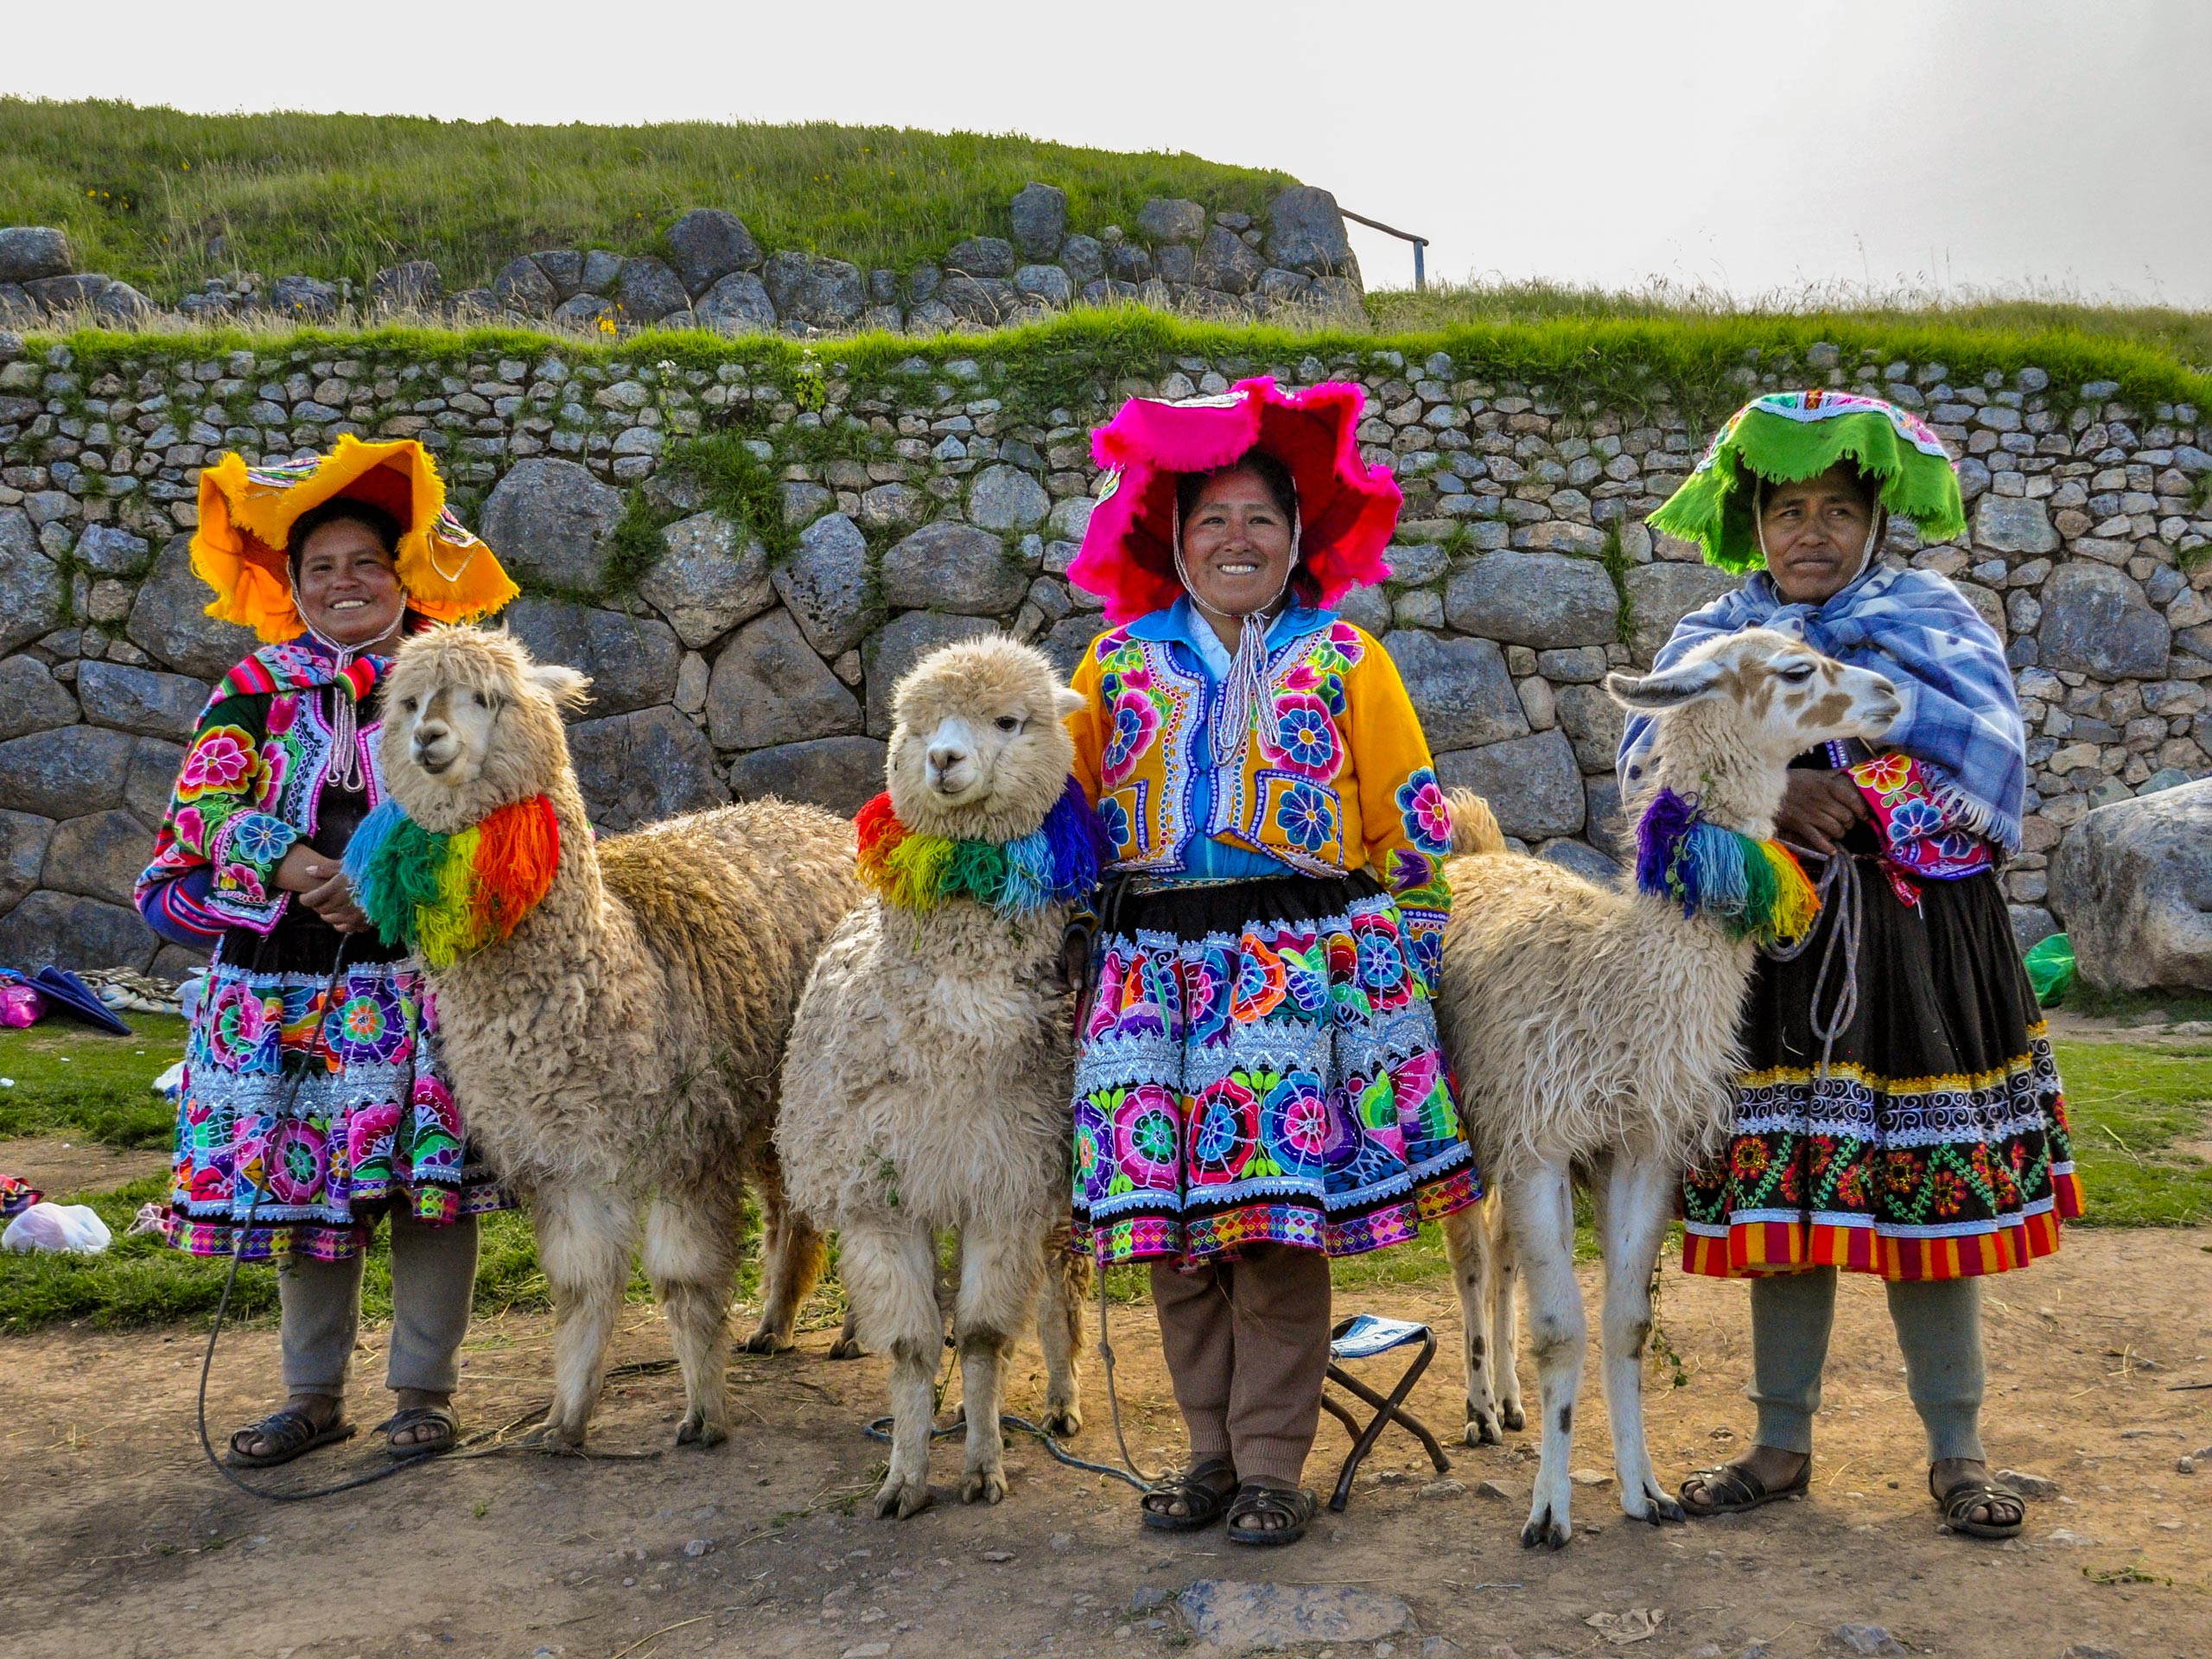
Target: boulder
(2132, 882)
(712, 577)
(1129, 262)
(1593, 722)
(1582, 858)
(28, 252)
(584, 312)
(984, 300)
(1046, 284)
(1534, 599)
(64, 772)
(707, 244)
(648, 290)
(956, 566)
(31, 699)
(1605, 826)
(1280, 287)
(825, 585)
(120, 302)
(1225, 261)
(1459, 689)
(303, 298)
(23, 838)
(552, 520)
(416, 285)
(32, 591)
(2096, 621)
(1005, 498)
(522, 286)
(151, 776)
(1531, 783)
(768, 686)
(563, 268)
(1171, 218)
(600, 270)
(840, 774)
(896, 647)
(1066, 642)
(62, 929)
(1661, 594)
(1084, 259)
(982, 256)
(818, 292)
(737, 304)
(110, 551)
(1040, 220)
(170, 621)
(632, 659)
(99, 855)
(1306, 232)
(138, 700)
(2014, 524)
(640, 767)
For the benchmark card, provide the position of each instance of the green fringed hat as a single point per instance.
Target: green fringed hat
(1786, 436)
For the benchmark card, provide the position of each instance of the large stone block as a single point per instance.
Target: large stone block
(1306, 232)
(1040, 220)
(1066, 642)
(1460, 688)
(1531, 783)
(32, 592)
(2133, 881)
(640, 767)
(707, 244)
(62, 929)
(1171, 218)
(896, 647)
(632, 659)
(170, 621)
(1005, 498)
(840, 774)
(31, 699)
(956, 567)
(2014, 524)
(522, 286)
(138, 700)
(737, 304)
(825, 585)
(1534, 599)
(23, 839)
(821, 293)
(551, 519)
(2096, 621)
(110, 551)
(64, 772)
(1226, 262)
(1593, 722)
(30, 253)
(982, 256)
(768, 686)
(711, 578)
(150, 779)
(99, 855)
(649, 290)
(1661, 594)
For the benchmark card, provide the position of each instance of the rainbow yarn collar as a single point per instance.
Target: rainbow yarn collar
(1054, 865)
(1756, 889)
(440, 897)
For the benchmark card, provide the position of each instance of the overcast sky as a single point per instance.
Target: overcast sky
(2049, 146)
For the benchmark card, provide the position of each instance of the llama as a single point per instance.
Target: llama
(1594, 1031)
(927, 1081)
(616, 1050)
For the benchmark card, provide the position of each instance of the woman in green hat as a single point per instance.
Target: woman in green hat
(1900, 1114)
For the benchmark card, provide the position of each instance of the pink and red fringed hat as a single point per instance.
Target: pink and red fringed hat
(1346, 508)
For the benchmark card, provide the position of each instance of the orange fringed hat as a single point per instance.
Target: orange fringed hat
(246, 515)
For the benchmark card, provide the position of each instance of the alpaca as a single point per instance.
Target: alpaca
(927, 1081)
(1594, 1033)
(617, 1052)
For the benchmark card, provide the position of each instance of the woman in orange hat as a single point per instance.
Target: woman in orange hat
(313, 1102)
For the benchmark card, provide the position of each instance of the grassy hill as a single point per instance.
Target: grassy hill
(144, 192)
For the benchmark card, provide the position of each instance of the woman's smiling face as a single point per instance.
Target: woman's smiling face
(347, 585)
(1237, 543)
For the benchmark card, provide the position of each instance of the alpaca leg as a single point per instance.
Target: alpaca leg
(891, 1274)
(847, 1345)
(1059, 1332)
(691, 1248)
(998, 1285)
(1637, 1195)
(1505, 1323)
(792, 1256)
(1467, 1246)
(585, 1237)
(1540, 1208)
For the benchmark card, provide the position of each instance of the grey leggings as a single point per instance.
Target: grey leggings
(433, 1279)
(1939, 1327)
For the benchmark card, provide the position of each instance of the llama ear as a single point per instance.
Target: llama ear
(1067, 700)
(1654, 692)
(567, 688)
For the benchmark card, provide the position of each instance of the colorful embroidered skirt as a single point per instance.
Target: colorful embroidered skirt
(332, 1103)
(1260, 1064)
(1939, 1147)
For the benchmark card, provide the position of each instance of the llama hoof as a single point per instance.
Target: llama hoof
(1063, 1422)
(765, 1341)
(1510, 1416)
(1544, 1530)
(1480, 1430)
(694, 1430)
(898, 1497)
(982, 1486)
(846, 1348)
(1658, 1508)
(556, 1438)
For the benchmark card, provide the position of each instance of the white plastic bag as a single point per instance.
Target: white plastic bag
(69, 1227)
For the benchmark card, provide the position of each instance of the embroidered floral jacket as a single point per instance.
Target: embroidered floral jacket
(1337, 778)
(249, 787)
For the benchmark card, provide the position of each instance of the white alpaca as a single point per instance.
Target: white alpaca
(1594, 1031)
(927, 1081)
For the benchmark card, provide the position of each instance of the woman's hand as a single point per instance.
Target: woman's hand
(322, 886)
(1818, 808)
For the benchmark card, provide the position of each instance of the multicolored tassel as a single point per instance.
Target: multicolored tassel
(1054, 864)
(442, 897)
(1757, 889)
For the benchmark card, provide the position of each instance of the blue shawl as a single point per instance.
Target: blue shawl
(1961, 718)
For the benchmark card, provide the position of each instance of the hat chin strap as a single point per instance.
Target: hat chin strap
(1244, 692)
(1875, 532)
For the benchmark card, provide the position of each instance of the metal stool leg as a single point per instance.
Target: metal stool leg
(1388, 1410)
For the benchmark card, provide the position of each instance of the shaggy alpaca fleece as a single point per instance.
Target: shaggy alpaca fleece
(622, 1046)
(927, 1082)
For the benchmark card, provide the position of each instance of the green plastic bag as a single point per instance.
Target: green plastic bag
(2050, 969)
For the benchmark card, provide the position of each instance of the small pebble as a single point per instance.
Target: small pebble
(698, 1547)
(1590, 1477)
(1062, 1540)
(998, 1555)
(1444, 1489)
(1493, 1489)
(2184, 1466)
(2026, 1485)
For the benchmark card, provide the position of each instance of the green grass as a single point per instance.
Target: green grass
(142, 193)
(70, 1079)
(2130, 1103)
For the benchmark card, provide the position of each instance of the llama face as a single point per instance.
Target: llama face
(980, 749)
(471, 724)
(1782, 697)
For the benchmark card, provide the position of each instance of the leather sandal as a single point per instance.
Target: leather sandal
(1294, 1506)
(289, 1434)
(1202, 1502)
(1959, 1503)
(439, 1417)
(1731, 1488)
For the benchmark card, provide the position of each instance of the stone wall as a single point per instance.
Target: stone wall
(927, 498)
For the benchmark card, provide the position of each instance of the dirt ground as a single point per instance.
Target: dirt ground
(116, 1539)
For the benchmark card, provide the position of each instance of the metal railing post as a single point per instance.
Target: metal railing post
(1421, 242)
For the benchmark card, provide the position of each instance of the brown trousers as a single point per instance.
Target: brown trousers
(1248, 1347)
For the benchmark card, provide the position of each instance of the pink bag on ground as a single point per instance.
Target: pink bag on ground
(20, 1006)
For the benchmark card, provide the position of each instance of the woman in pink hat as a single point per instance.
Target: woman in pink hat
(1259, 1085)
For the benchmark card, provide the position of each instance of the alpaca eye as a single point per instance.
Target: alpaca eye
(408, 703)
(1797, 673)
(1009, 723)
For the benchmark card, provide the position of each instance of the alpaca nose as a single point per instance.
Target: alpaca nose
(950, 766)
(430, 742)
